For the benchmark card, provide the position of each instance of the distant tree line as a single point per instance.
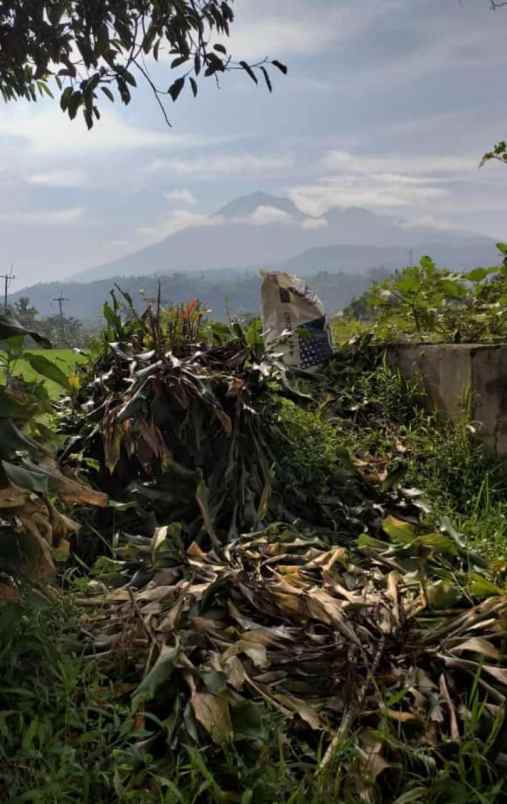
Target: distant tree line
(62, 331)
(225, 293)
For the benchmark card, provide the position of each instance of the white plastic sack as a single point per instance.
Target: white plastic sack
(288, 304)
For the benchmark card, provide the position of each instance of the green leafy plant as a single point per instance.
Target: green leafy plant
(424, 302)
(498, 152)
(32, 530)
(416, 300)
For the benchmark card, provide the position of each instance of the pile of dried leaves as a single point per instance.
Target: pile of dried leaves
(374, 642)
(190, 436)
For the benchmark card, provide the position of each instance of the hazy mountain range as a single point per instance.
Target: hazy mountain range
(264, 231)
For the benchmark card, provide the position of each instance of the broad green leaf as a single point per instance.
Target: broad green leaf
(427, 263)
(112, 318)
(478, 274)
(452, 289)
(46, 368)
(408, 283)
(367, 542)
(438, 542)
(481, 587)
(398, 530)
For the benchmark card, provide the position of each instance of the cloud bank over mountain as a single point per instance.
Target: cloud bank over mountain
(261, 230)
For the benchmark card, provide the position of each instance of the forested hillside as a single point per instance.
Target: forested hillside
(224, 293)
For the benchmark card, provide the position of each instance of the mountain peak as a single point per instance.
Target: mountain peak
(246, 205)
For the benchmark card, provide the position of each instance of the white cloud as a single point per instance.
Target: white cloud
(59, 178)
(396, 164)
(384, 181)
(176, 221)
(227, 165)
(49, 131)
(373, 191)
(265, 215)
(180, 219)
(50, 217)
(431, 221)
(181, 197)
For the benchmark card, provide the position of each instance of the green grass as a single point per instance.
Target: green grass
(344, 328)
(65, 359)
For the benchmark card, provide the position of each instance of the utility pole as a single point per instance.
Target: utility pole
(8, 278)
(60, 300)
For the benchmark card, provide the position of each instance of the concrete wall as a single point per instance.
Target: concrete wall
(454, 373)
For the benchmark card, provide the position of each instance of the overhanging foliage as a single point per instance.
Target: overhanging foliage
(95, 49)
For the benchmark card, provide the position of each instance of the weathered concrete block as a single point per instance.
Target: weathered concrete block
(456, 376)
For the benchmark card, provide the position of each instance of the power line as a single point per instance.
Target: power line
(60, 300)
(8, 278)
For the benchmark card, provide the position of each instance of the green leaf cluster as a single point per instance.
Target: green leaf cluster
(426, 302)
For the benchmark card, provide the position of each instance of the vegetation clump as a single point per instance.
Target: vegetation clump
(32, 487)
(427, 303)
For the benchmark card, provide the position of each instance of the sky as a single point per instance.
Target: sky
(388, 105)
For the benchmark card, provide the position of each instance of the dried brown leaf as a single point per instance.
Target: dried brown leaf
(444, 691)
(214, 714)
(478, 645)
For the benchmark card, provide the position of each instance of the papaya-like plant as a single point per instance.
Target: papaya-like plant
(426, 302)
(414, 301)
(34, 493)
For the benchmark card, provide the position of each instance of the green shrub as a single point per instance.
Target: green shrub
(309, 450)
(429, 303)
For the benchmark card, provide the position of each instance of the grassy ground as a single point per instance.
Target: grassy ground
(65, 359)
(344, 328)
(66, 732)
